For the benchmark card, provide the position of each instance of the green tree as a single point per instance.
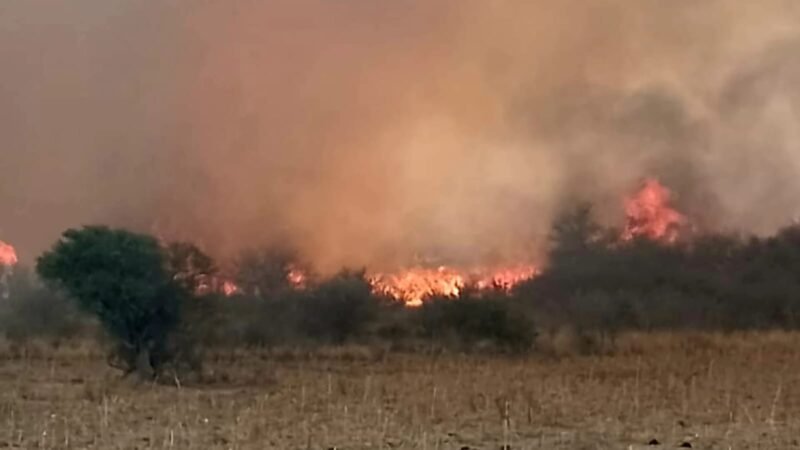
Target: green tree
(122, 278)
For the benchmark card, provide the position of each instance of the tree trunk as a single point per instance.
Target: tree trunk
(143, 367)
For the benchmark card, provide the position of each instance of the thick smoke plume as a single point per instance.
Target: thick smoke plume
(362, 132)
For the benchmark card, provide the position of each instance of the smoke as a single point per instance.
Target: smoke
(363, 132)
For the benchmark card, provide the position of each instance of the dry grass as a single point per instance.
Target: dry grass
(713, 391)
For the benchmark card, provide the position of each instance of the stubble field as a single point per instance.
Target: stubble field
(707, 391)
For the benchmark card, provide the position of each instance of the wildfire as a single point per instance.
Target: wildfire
(8, 256)
(650, 215)
(412, 286)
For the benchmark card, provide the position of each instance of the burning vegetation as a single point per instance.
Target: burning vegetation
(596, 280)
(413, 286)
(649, 214)
(8, 255)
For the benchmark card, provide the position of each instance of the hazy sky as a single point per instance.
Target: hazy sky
(361, 131)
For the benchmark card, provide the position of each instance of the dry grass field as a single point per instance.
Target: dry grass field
(707, 391)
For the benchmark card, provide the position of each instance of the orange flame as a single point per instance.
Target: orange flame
(648, 212)
(505, 279)
(8, 256)
(229, 288)
(412, 286)
(650, 215)
(297, 278)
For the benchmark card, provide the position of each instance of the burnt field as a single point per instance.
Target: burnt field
(707, 390)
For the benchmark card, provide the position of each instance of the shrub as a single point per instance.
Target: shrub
(33, 311)
(473, 320)
(265, 272)
(258, 322)
(337, 310)
(121, 278)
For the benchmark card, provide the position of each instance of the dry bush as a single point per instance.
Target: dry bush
(476, 322)
(34, 312)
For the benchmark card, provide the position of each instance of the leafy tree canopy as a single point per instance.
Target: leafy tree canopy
(123, 278)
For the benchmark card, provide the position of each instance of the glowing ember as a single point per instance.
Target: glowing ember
(505, 279)
(229, 288)
(8, 256)
(650, 215)
(413, 286)
(297, 278)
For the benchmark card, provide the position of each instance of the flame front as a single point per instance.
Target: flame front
(412, 286)
(649, 214)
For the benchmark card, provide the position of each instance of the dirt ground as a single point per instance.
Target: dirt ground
(707, 391)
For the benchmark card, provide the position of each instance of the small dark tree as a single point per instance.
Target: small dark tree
(575, 232)
(191, 268)
(578, 244)
(122, 278)
(265, 272)
(338, 309)
(198, 276)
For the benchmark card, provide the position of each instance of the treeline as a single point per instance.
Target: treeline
(710, 281)
(160, 306)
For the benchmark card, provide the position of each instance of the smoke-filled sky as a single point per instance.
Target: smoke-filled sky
(361, 131)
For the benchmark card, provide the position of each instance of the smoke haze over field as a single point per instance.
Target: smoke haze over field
(361, 131)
